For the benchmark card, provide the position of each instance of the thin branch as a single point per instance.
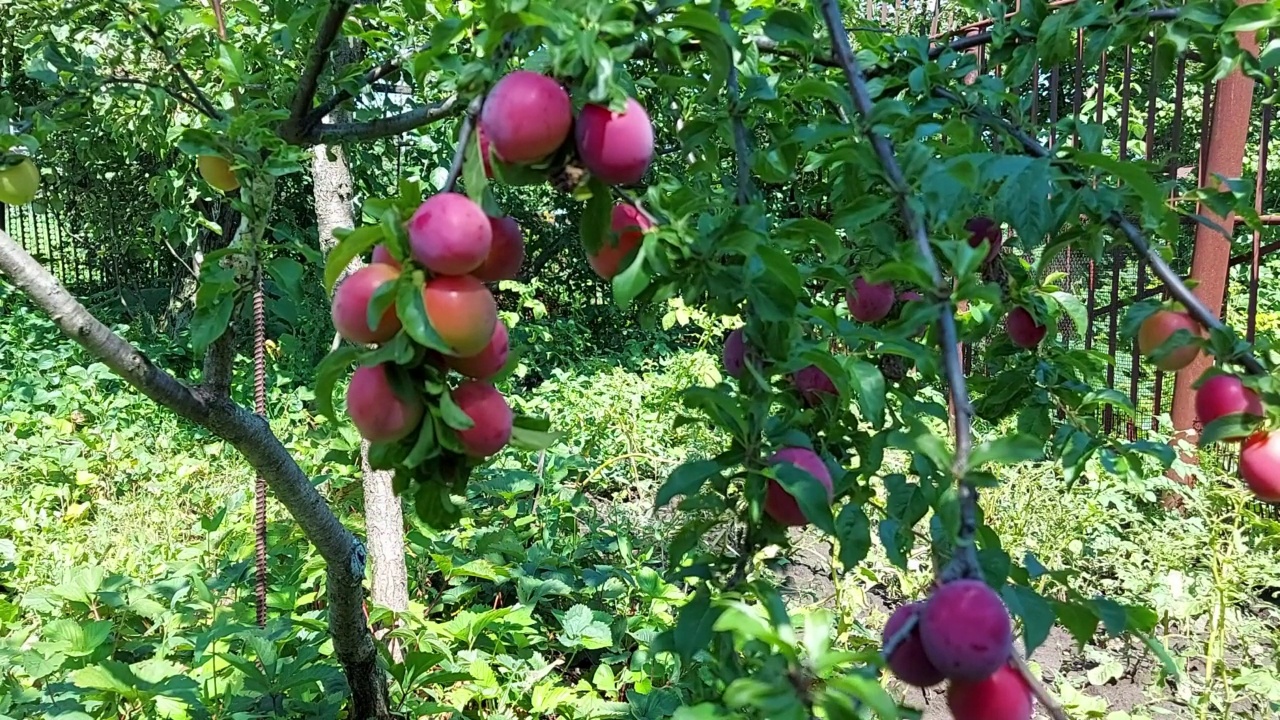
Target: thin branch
(895, 640)
(206, 106)
(916, 229)
(971, 39)
(332, 133)
(308, 82)
(636, 202)
(375, 74)
(1177, 288)
(1038, 689)
(464, 138)
(741, 142)
(762, 43)
(175, 94)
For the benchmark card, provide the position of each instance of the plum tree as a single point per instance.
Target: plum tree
(616, 147)
(1003, 695)
(1223, 395)
(19, 182)
(780, 504)
(383, 256)
(378, 411)
(981, 228)
(869, 302)
(1158, 328)
(217, 172)
(965, 630)
(526, 117)
(462, 311)
(449, 234)
(490, 414)
(812, 383)
(1023, 329)
(1260, 465)
(908, 661)
(486, 363)
(506, 252)
(626, 231)
(350, 309)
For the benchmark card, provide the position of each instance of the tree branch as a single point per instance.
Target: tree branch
(330, 134)
(175, 94)
(206, 106)
(375, 74)
(252, 437)
(915, 228)
(741, 142)
(464, 137)
(1038, 689)
(308, 82)
(762, 43)
(1177, 288)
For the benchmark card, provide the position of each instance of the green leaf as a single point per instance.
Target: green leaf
(596, 217)
(1035, 612)
(533, 440)
(1078, 620)
(209, 322)
(870, 693)
(1007, 450)
(333, 366)
(110, 676)
(453, 415)
(1074, 309)
(1111, 613)
(810, 495)
(787, 26)
(1229, 427)
(629, 283)
(694, 626)
(1248, 18)
(425, 447)
(77, 639)
(351, 245)
(581, 629)
(853, 530)
(1024, 198)
(868, 383)
(413, 317)
(1132, 174)
(686, 480)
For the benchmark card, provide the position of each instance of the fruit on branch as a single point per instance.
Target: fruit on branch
(486, 363)
(908, 662)
(1023, 329)
(965, 630)
(490, 414)
(526, 117)
(485, 159)
(1004, 695)
(217, 172)
(19, 182)
(506, 252)
(780, 504)
(1158, 328)
(981, 228)
(462, 312)
(1223, 395)
(382, 255)
(813, 383)
(1260, 465)
(449, 234)
(617, 148)
(350, 309)
(378, 411)
(869, 302)
(626, 231)
(734, 354)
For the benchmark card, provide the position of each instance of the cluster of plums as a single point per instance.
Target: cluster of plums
(526, 119)
(963, 635)
(461, 248)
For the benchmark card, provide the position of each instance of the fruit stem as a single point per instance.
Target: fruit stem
(1038, 689)
(894, 641)
(957, 388)
(1180, 292)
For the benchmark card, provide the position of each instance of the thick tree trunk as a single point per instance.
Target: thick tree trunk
(384, 517)
(209, 407)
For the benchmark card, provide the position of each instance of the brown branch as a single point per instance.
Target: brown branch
(344, 555)
(309, 81)
(332, 133)
(966, 556)
(1177, 288)
(206, 106)
(175, 94)
(464, 137)
(1038, 689)
(375, 74)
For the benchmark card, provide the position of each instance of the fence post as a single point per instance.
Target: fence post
(1211, 255)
